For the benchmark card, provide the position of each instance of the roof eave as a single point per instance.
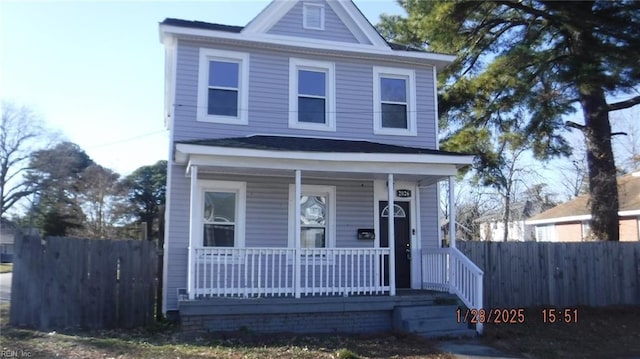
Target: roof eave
(308, 45)
(183, 151)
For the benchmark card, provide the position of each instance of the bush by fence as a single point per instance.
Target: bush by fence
(87, 283)
(560, 274)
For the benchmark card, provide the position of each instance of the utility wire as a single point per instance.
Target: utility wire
(127, 139)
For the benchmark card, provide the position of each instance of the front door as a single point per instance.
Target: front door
(402, 240)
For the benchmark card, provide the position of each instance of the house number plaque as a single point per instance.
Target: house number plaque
(403, 193)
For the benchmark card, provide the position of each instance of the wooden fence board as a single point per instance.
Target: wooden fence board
(558, 274)
(71, 282)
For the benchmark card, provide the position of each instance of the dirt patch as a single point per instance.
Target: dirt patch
(166, 341)
(599, 333)
(612, 332)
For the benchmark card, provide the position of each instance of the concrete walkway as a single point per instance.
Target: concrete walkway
(472, 349)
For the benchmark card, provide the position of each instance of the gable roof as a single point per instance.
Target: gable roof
(346, 10)
(578, 208)
(311, 144)
(238, 29)
(255, 34)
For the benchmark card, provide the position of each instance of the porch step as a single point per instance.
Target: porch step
(431, 321)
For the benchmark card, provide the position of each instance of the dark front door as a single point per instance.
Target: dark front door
(402, 240)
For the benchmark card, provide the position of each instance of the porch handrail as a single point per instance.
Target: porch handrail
(467, 279)
(261, 272)
(448, 269)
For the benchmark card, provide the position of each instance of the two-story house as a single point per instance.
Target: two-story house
(304, 165)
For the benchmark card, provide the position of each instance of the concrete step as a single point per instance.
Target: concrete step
(430, 320)
(426, 324)
(427, 311)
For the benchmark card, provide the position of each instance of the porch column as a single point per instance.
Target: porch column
(452, 213)
(452, 234)
(391, 235)
(296, 234)
(193, 208)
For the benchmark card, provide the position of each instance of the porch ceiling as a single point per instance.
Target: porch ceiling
(322, 158)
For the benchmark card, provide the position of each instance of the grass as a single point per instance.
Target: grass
(6, 267)
(599, 333)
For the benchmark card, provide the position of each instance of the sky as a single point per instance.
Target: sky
(94, 70)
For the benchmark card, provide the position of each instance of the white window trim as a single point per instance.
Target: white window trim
(240, 189)
(305, 8)
(296, 64)
(389, 72)
(207, 55)
(310, 190)
(549, 233)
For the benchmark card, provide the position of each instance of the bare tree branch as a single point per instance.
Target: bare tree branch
(574, 125)
(20, 130)
(624, 104)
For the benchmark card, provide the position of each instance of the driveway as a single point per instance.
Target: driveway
(5, 287)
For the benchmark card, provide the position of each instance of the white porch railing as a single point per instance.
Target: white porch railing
(448, 269)
(270, 272)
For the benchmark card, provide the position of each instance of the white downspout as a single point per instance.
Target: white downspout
(193, 210)
(391, 235)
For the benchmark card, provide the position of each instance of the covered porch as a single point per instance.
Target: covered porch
(315, 259)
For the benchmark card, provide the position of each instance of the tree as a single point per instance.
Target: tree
(20, 131)
(147, 191)
(549, 58)
(103, 199)
(626, 147)
(54, 176)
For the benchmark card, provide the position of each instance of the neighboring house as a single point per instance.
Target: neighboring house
(291, 139)
(569, 222)
(492, 224)
(8, 231)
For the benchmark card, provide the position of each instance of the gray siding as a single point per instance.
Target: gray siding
(177, 235)
(334, 28)
(269, 99)
(429, 213)
(267, 217)
(267, 197)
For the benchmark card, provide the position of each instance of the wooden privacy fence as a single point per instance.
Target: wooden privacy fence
(88, 283)
(560, 274)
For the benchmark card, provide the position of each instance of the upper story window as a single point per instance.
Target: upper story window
(311, 95)
(223, 87)
(313, 16)
(394, 101)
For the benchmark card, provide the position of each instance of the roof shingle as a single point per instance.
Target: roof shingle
(308, 144)
(628, 195)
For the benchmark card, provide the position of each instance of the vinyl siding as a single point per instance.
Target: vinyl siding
(429, 212)
(267, 197)
(177, 220)
(334, 28)
(267, 217)
(269, 99)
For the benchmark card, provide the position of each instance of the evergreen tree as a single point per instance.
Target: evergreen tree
(545, 58)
